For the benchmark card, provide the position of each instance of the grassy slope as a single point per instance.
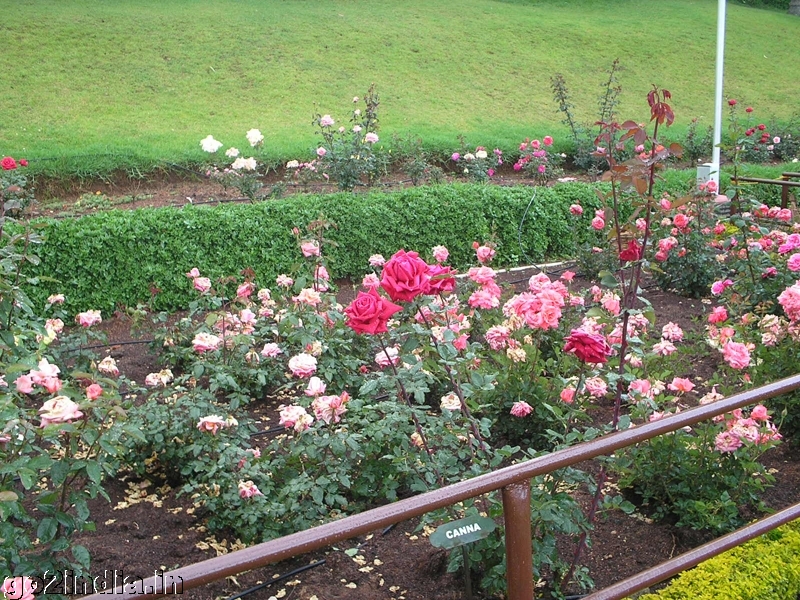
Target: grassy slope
(153, 77)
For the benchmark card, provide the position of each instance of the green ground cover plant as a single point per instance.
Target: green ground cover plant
(97, 99)
(766, 567)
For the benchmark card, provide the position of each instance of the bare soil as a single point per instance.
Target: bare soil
(143, 529)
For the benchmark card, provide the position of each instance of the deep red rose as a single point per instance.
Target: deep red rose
(731, 102)
(405, 276)
(632, 252)
(369, 312)
(8, 163)
(588, 347)
(441, 279)
(762, 127)
(23, 162)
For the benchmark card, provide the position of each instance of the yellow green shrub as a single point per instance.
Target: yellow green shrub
(766, 568)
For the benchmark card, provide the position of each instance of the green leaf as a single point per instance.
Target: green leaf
(47, 529)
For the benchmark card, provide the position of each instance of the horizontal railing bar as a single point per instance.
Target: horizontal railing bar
(782, 182)
(265, 553)
(665, 570)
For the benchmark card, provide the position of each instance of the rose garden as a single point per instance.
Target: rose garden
(316, 355)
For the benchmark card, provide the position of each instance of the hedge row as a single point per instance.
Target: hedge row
(111, 259)
(766, 567)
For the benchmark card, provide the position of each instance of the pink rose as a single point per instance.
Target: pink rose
(316, 387)
(391, 356)
(248, 489)
(310, 248)
(759, 413)
(59, 410)
(371, 137)
(376, 260)
(88, 318)
(245, 289)
(576, 209)
(680, 384)
(94, 391)
(793, 264)
(284, 281)
(736, 355)
(370, 312)
(588, 347)
(484, 253)
(193, 274)
(19, 588)
(371, 281)
(567, 395)
(271, 350)
(548, 141)
(440, 254)
(206, 342)
(321, 152)
(718, 315)
(441, 280)
(24, 384)
(303, 365)
(680, 220)
(8, 163)
(405, 276)
(521, 409)
(497, 337)
(727, 441)
(202, 284)
(212, 424)
(598, 223)
(296, 417)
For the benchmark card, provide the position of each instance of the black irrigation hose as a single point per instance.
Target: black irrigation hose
(295, 572)
(96, 346)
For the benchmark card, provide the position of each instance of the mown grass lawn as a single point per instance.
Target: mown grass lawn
(130, 82)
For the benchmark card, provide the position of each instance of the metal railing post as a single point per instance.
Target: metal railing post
(519, 549)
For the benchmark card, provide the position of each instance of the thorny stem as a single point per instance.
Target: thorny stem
(457, 388)
(628, 302)
(404, 395)
(601, 480)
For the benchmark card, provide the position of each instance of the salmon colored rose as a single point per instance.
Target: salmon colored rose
(370, 312)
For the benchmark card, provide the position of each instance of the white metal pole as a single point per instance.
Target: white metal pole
(718, 100)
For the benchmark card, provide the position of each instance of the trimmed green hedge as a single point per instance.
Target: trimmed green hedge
(766, 568)
(108, 259)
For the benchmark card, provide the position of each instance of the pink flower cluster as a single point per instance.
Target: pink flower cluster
(739, 430)
(201, 284)
(248, 489)
(789, 300)
(46, 376)
(541, 307)
(295, 417)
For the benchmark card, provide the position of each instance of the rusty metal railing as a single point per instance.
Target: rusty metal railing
(514, 481)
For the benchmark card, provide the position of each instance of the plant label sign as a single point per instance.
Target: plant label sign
(461, 532)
